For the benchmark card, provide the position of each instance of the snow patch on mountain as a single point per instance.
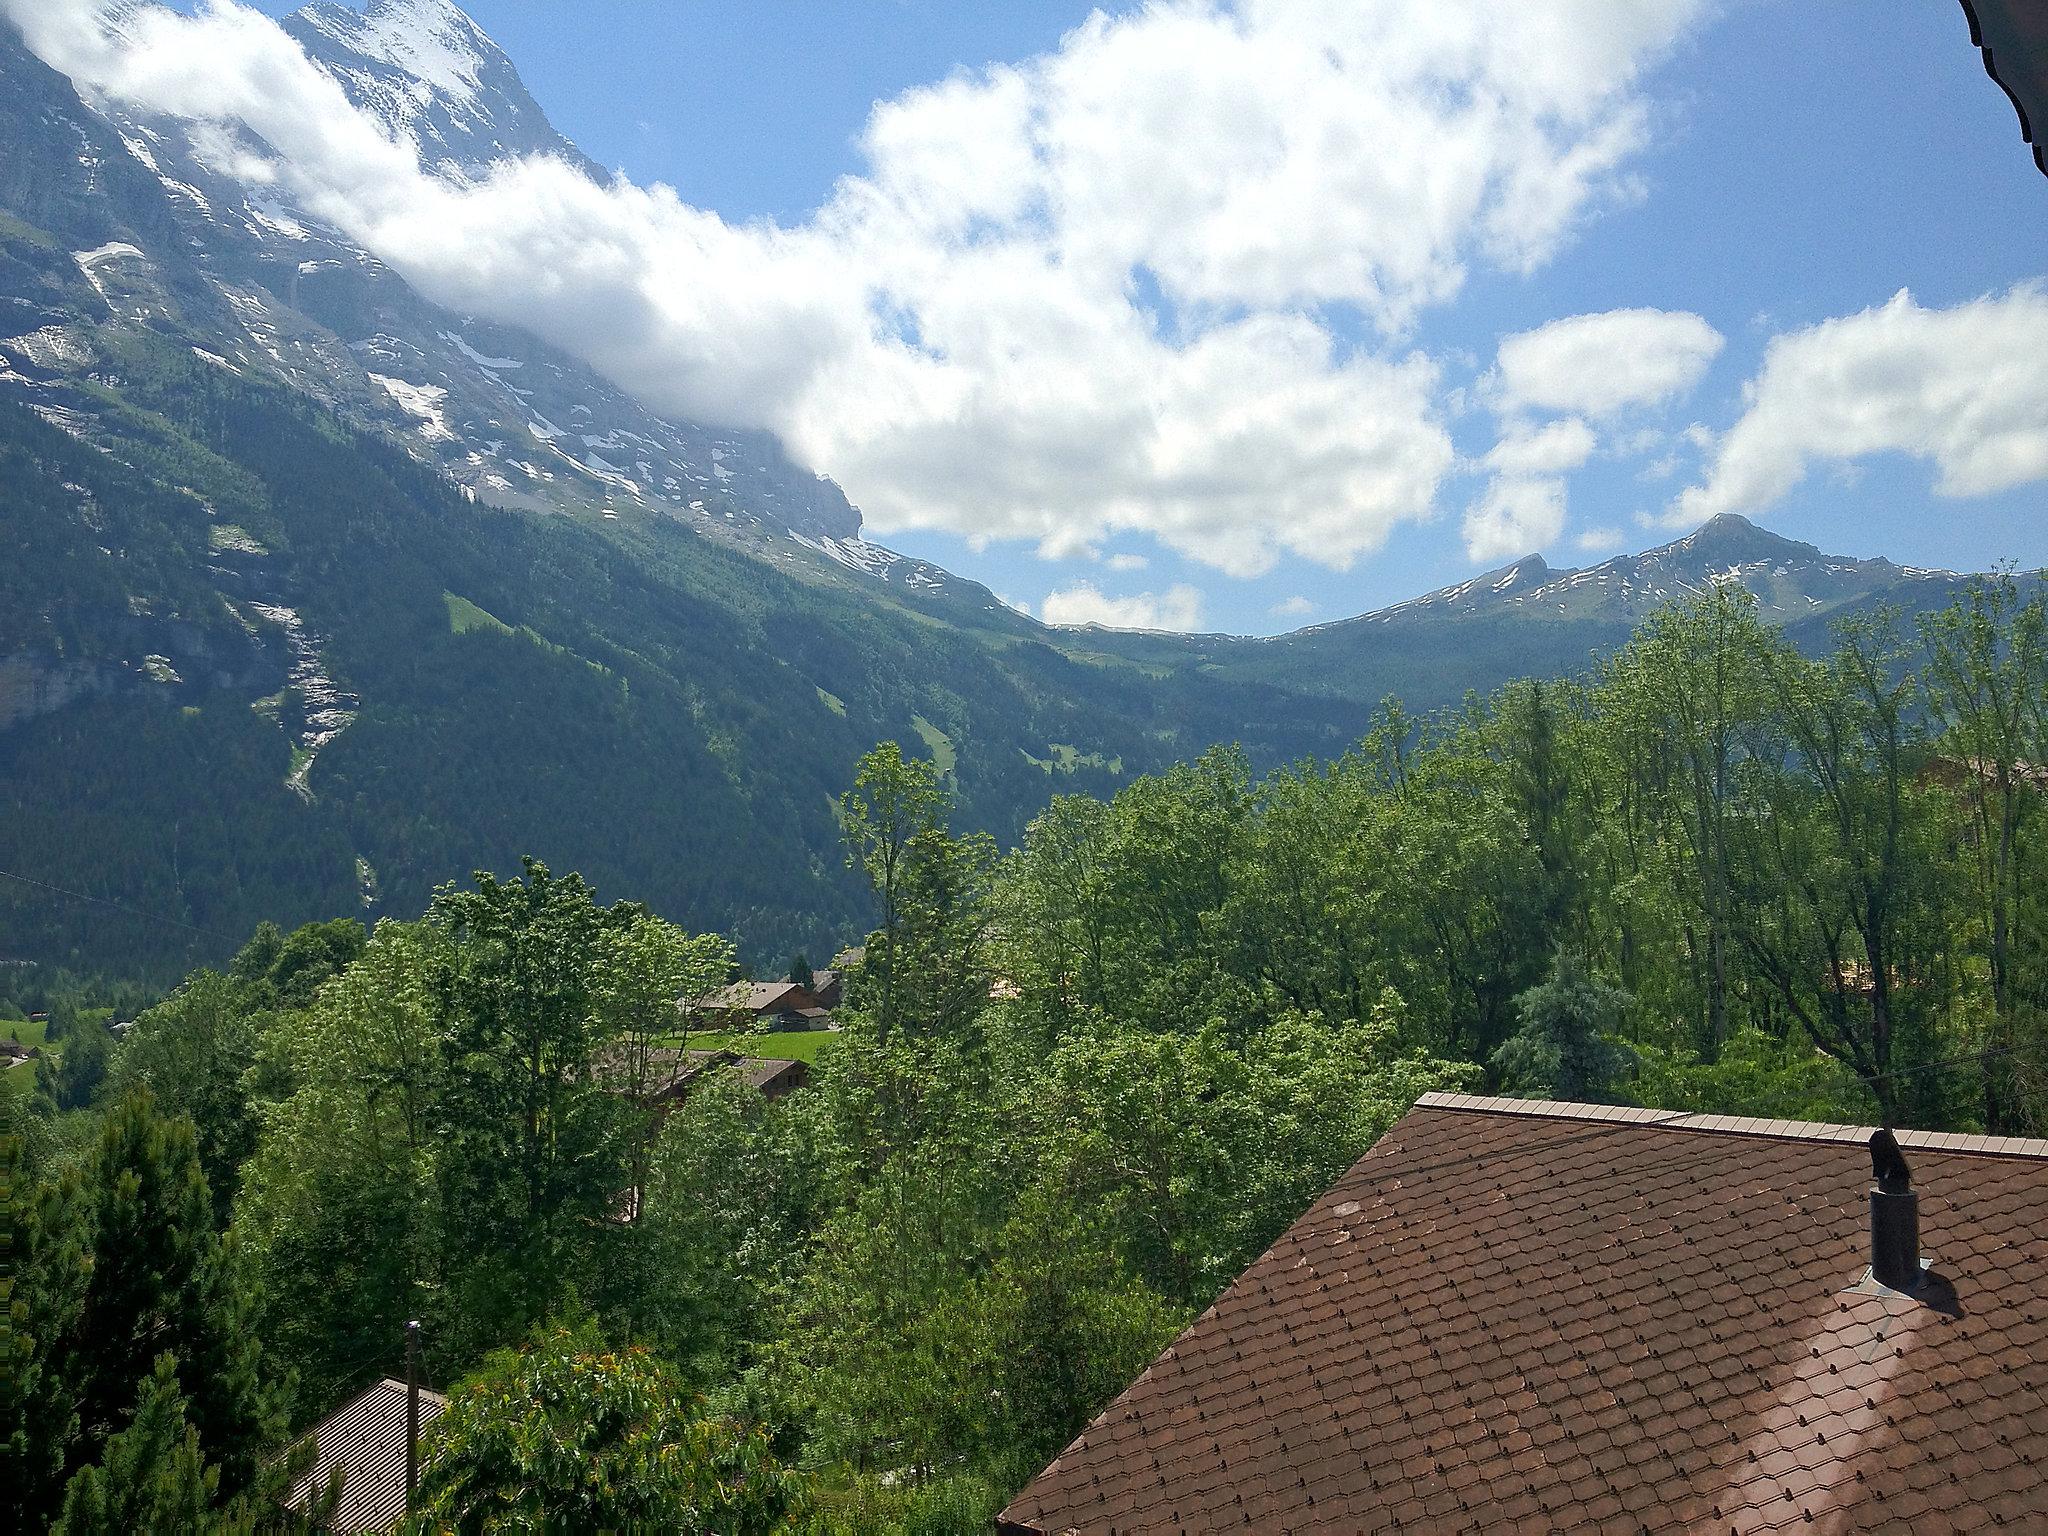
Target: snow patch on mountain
(429, 39)
(423, 401)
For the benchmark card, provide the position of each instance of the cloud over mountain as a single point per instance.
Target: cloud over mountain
(1119, 287)
(1964, 388)
(1177, 608)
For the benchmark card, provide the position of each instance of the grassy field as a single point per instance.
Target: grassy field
(794, 1045)
(30, 1035)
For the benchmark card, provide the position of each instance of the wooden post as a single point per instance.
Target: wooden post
(412, 1411)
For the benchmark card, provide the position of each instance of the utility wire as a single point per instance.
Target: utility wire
(102, 901)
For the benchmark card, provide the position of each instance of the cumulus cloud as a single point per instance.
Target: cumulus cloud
(1598, 541)
(1514, 517)
(1292, 608)
(1965, 389)
(1597, 365)
(1586, 366)
(1178, 608)
(1548, 450)
(960, 334)
(1127, 562)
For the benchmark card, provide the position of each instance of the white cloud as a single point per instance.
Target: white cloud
(1965, 388)
(1514, 517)
(1598, 541)
(1127, 562)
(1292, 608)
(957, 334)
(1177, 608)
(1597, 365)
(1547, 450)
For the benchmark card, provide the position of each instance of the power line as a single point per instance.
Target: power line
(122, 907)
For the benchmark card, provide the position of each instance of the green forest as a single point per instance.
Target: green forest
(1081, 1083)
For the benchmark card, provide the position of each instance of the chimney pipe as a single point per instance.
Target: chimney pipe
(1894, 1217)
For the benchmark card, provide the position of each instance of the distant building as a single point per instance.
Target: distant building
(1520, 1316)
(759, 1005)
(13, 1050)
(364, 1441)
(672, 1074)
(828, 986)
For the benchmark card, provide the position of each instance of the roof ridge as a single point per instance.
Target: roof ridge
(1732, 1125)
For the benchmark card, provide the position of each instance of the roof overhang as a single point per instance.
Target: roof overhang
(2013, 36)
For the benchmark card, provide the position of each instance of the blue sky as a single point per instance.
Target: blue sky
(1793, 165)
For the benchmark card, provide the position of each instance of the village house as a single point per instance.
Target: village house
(1523, 1316)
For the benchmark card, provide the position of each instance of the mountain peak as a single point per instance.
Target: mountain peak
(434, 41)
(432, 76)
(1729, 538)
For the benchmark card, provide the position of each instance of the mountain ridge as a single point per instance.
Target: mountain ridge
(314, 593)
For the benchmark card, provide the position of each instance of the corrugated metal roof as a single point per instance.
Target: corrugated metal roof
(1545, 1317)
(365, 1440)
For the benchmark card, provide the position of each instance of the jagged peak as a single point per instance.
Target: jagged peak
(1731, 538)
(434, 41)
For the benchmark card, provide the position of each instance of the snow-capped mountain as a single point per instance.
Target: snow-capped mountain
(433, 77)
(1792, 581)
(169, 232)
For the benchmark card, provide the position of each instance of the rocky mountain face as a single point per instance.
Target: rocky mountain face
(314, 593)
(431, 76)
(164, 234)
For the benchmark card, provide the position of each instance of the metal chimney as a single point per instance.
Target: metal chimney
(1894, 1217)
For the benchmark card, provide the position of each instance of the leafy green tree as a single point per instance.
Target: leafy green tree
(894, 799)
(1687, 698)
(1754, 1074)
(191, 1051)
(736, 1190)
(281, 970)
(340, 1203)
(641, 968)
(531, 1138)
(1986, 683)
(569, 1435)
(1851, 917)
(1566, 1048)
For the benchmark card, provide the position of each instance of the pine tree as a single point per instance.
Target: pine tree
(162, 1279)
(43, 1290)
(152, 1478)
(1562, 1050)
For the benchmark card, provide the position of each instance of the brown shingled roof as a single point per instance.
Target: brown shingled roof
(1521, 1316)
(365, 1440)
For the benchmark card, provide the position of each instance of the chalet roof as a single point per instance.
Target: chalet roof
(1528, 1316)
(366, 1440)
(759, 997)
(772, 1075)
